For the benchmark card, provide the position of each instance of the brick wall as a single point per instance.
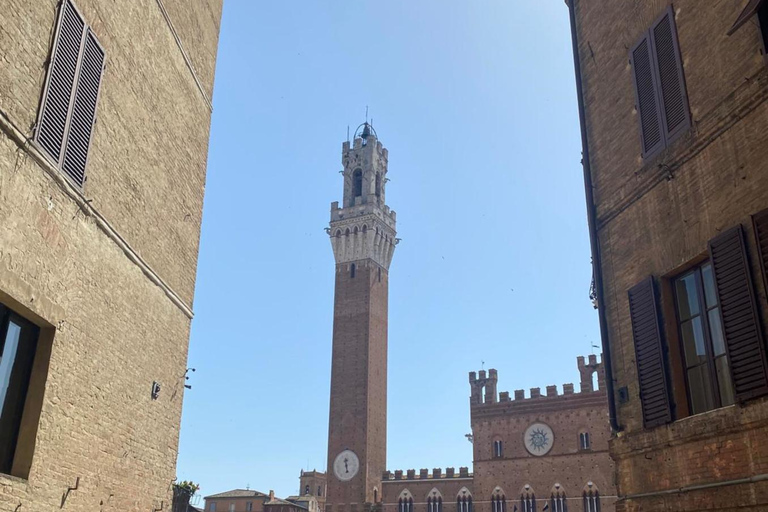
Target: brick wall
(655, 218)
(358, 380)
(97, 271)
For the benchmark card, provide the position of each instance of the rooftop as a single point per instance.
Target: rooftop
(237, 493)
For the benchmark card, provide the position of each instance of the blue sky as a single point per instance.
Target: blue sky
(475, 101)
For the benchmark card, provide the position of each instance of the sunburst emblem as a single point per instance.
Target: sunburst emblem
(539, 439)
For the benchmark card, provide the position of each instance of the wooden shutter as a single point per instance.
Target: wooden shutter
(83, 110)
(61, 78)
(760, 225)
(669, 68)
(738, 313)
(648, 108)
(649, 354)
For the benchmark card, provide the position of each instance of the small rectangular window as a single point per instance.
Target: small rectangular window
(68, 109)
(231, 507)
(212, 507)
(249, 506)
(584, 441)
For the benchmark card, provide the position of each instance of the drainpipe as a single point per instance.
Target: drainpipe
(592, 221)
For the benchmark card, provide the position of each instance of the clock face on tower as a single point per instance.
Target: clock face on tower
(346, 465)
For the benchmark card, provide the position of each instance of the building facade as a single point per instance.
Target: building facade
(528, 452)
(672, 100)
(104, 122)
(362, 233)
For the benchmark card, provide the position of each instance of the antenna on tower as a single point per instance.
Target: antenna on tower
(366, 114)
(347, 133)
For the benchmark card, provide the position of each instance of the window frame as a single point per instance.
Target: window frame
(7, 315)
(704, 311)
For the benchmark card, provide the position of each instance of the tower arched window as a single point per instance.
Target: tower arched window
(558, 501)
(378, 184)
(357, 183)
(352, 269)
(498, 449)
(306, 489)
(527, 499)
(591, 496)
(405, 504)
(319, 490)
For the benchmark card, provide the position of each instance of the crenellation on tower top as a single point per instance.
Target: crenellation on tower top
(483, 385)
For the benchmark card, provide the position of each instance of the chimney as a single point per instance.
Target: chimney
(271, 495)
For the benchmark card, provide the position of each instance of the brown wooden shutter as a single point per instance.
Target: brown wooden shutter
(61, 78)
(760, 225)
(648, 107)
(83, 110)
(649, 354)
(738, 312)
(669, 73)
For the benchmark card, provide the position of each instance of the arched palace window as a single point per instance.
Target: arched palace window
(498, 501)
(591, 496)
(558, 503)
(434, 501)
(405, 502)
(527, 499)
(464, 501)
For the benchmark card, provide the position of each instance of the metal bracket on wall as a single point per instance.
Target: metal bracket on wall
(156, 509)
(69, 489)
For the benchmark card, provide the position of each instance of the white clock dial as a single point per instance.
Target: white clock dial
(346, 465)
(538, 439)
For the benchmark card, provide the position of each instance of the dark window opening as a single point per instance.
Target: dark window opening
(762, 16)
(498, 449)
(378, 184)
(498, 503)
(379, 274)
(357, 183)
(352, 269)
(584, 441)
(18, 346)
(306, 489)
(592, 500)
(320, 490)
(435, 504)
(405, 505)
(707, 371)
(464, 504)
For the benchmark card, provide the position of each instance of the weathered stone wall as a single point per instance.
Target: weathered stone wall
(98, 270)
(655, 218)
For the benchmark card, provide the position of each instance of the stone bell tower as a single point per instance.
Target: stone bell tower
(362, 233)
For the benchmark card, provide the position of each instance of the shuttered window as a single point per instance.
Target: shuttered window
(738, 314)
(649, 354)
(662, 104)
(68, 108)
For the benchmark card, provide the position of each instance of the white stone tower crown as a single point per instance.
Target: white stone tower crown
(363, 227)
